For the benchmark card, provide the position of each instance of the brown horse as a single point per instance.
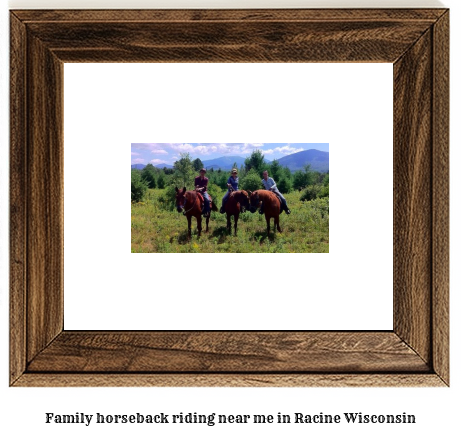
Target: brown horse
(194, 204)
(238, 201)
(271, 206)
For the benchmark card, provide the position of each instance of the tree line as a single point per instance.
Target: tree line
(311, 184)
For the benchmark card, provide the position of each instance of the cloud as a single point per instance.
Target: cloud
(287, 149)
(248, 147)
(148, 146)
(134, 153)
(137, 161)
(227, 148)
(204, 149)
(201, 149)
(182, 148)
(156, 161)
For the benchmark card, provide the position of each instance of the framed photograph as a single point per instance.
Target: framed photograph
(414, 353)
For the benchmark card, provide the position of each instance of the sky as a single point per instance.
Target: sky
(168, 153)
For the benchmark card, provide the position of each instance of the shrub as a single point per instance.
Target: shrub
(307, 177)
(251, 182)
(148, 174)
(138, 187)
(161, 181)
(322, 205)
(310, 193)
(167, 199)
(216, 193)
(324, 192)
(285, 186)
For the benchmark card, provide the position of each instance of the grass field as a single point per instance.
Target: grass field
(156, 230)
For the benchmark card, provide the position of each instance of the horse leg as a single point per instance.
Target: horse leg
(207, 221)
(236, 218)
(189, 225)
(199, 224)
(276, 222)
(228, 222)
(268, 222)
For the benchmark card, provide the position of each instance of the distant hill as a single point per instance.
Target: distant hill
(142, 166)
(318, 160)
(224, 162)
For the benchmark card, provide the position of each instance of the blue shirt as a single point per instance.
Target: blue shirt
(233, 182)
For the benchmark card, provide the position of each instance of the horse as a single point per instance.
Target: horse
(194, 203)
(238, 201)
(271, 206)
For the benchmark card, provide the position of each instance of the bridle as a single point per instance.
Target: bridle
(193, 203)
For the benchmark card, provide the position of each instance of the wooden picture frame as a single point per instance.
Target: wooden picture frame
(414, 353)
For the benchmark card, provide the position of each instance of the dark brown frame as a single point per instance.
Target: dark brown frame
(414, 353)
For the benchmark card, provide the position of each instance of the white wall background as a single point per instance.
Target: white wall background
(347, 105)
(23, 410)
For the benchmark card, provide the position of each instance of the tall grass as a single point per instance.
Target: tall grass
(156, 230)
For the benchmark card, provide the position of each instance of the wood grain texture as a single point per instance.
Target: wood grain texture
(45, 241)
(413, 196)
(204, 15)
(414, 354)
(224, 351)
(441, 195)
(245, 41)
(230, 380)
(18, 193)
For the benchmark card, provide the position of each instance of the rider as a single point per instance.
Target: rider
(232, 185)
(201, 183)
(269, 185)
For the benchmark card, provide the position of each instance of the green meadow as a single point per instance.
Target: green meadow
(155, 228)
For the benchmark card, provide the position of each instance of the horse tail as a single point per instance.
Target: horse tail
(214, 208)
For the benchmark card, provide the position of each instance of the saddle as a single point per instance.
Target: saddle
(280, 202)
(202, 201)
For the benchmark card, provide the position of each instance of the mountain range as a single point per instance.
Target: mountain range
(318, 160)
(224, 162)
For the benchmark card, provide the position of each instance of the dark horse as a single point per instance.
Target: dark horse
(238, 201)
(271, 206)
(194, 204)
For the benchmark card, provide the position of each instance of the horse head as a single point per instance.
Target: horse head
(254, 201)
(180, 198)
(244, 201)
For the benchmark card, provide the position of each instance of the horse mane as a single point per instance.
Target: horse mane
(188, 194)
(238, 195)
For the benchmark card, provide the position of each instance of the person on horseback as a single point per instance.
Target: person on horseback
(270, 185)
(232, 185)
(201, 183)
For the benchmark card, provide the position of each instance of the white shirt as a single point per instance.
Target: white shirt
(269, 183)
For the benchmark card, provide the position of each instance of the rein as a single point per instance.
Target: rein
(193, 203)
